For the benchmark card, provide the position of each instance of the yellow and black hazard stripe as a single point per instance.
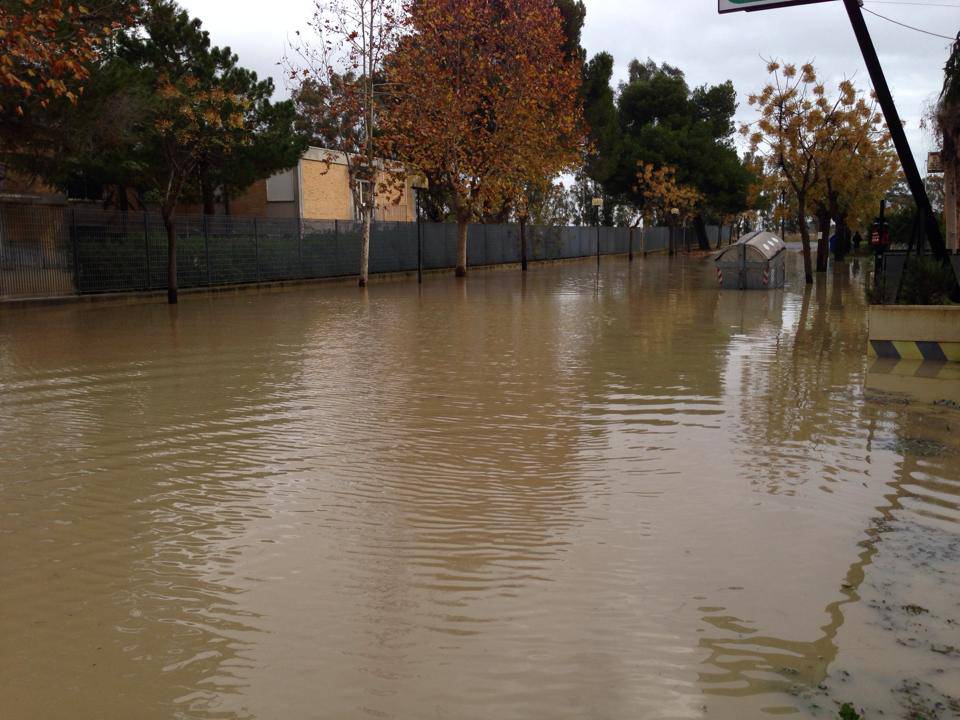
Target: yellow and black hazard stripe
(916, 350)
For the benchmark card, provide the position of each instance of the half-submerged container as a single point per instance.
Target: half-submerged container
(757, 261)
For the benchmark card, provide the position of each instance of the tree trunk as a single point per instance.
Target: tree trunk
(226, 202)
(805, 239)
(719, 234)
(462, 227)
(701, 229)
(840, 249)
(365, 246)
(630, 245)
(523, 243)
(951, 205)
(209, 199)
(823, 246)
(168, 223)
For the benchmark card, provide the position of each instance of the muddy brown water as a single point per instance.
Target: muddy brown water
(570, 495)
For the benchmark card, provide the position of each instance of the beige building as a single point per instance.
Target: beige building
(318, 188)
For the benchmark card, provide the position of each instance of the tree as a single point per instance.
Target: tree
(663, 199)
(49, 47)
(657, 119)
(603, 161)
(343, 76)
(190, 114)
(948, 128)
(486, 101)
(273, 140)
(796, 131)
(856, 170)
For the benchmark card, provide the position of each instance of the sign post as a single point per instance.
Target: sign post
(728, 6)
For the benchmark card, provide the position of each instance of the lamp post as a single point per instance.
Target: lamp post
(419, 184)
(674, 214)
(783, 215)
(597, 203)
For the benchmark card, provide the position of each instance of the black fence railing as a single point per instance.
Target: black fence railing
(48, 251)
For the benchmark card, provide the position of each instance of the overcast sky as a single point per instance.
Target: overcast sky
(708, 47)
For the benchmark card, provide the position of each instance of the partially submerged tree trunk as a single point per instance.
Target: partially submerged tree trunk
(209, 198)
(169, 224)
(701, 229)
(840, 249)
(805, 239)
(823, 242)
(365, 246)
(462, 227)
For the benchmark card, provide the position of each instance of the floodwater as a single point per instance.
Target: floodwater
(624, 495)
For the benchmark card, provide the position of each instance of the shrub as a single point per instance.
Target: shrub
(926, 282)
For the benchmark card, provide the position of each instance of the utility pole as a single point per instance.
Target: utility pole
(895, 126)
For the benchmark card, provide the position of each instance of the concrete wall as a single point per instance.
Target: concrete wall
(915, 332)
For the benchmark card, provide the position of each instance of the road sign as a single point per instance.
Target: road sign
(727, 6)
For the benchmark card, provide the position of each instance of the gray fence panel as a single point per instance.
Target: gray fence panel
(319, 248)
(36, 251)
(47, 251)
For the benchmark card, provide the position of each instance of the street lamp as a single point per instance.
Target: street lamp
(597, 202)
(419, 184)
(674, 213)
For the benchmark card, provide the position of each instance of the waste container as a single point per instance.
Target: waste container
(757, 261)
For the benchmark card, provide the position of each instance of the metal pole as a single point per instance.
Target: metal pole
(76, 249)
(206, 247)
(336, 246)
(416, 193)
(598, 239)
(896, 127)
(300, 271)
(256, 246)
(878, 256)
(146, 249)
(783, 215)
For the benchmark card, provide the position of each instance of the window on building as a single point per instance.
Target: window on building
(364, 190)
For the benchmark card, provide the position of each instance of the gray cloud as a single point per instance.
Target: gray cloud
(690, 34)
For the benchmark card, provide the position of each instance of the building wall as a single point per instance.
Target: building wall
(252, 203)
(326, 193)
(325, 190)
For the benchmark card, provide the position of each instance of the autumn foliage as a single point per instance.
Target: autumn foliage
(664, 200)
(832, 151)
(485, 101)
(48, 46)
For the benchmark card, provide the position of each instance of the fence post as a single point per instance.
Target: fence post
(256, 247)
(300, 271)
(76, 249)
(206, 246)
(146, 250)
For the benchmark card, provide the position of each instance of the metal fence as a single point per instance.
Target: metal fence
(49, 251)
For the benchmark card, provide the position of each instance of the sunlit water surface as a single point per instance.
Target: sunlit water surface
(569, 495)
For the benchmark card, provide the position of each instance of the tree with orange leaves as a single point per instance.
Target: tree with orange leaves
(796, 132)
(48, 46)
(486, 101)
(192, 109)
